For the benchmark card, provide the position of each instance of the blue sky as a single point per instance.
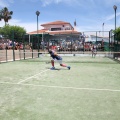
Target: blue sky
(89, 14)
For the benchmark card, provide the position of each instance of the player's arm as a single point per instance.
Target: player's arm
(55, 54)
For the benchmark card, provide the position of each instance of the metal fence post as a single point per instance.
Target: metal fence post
(32, 46)
(13, 46)
(6, 51)
(24, 46)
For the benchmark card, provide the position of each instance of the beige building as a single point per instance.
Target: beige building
(57, 33)
(58, 30)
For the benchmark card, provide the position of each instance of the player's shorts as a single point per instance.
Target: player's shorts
(94, 51)
(59, 61)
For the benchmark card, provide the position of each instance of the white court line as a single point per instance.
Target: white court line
(62, 87)
(32, 76)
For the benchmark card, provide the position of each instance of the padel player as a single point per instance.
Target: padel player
(56, 57)
(94, 50)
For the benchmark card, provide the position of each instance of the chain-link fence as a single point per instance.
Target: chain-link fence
(29, 46)
(116, 45)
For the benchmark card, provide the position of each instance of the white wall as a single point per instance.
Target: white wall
(58, 26)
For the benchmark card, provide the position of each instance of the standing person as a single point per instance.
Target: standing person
(56, 57)
(94, 50)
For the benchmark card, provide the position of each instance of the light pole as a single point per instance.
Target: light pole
(115, 8)
(37, 13)
(103, 29)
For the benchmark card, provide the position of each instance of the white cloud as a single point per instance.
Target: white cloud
(4, 3)
(29, 26)
(79, 2)
(88, 30)
(112, 16)
(109, 17)
(70, 2)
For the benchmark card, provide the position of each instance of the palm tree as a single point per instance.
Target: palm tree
(0, 15)
(5, 14)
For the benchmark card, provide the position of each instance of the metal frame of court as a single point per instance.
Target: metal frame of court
(33, 41)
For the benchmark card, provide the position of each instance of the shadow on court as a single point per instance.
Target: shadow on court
(57, 68)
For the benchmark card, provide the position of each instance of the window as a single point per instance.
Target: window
(67, 28)
(55, 29)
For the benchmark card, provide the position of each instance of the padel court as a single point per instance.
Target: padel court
(90, 90)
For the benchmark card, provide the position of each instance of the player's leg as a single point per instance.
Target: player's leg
(92, 53)
(52, 63)
(95, 52)
(63, 65)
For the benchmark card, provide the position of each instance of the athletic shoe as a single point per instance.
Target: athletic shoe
(53, 68)
(69, 67)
